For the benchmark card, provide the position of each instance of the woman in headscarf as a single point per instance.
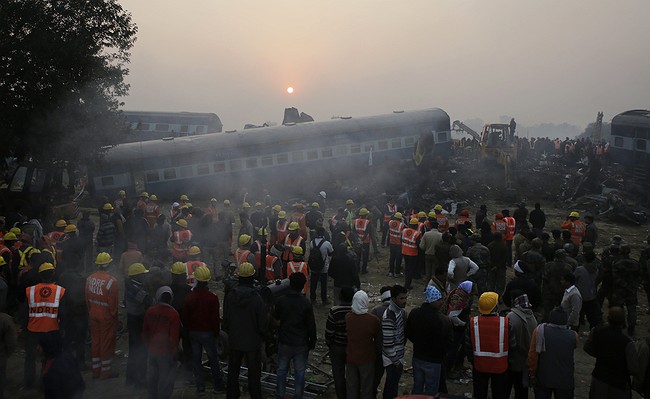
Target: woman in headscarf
(460, 268)
(457, 306)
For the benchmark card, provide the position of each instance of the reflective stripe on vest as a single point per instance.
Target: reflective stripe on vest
(241, 256)
(270, 270)
(298, 267)
(443, 222)
(360, 226)
(511, 223)
(43, 314)
(395, 228)
(490, 349)
(288, 245)
(391, 210)
(409, 242)
(190, 268)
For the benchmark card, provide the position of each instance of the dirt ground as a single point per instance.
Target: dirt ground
(319, 367)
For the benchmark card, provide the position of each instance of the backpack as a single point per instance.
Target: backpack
(316, 261)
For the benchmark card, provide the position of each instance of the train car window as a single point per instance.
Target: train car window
(251, 163)
(143, 126)
(38, 181)
(355, 149)
(185, 129)
(219, 167)
(18, 182)
(108, 181)
(408, 142)
(642, 133)
(383, 145)
(203, 169)
(282, 159)
(640, 145)
(312, 154)
(326, 153)
(368, 148)
(169, 174)
(624, 131)
(618, 141)
(162, 127)
(297, 156)
(186, 171)
(235, 164)
(200, 129)
(267, 161)
(442, 137)
(396, 143)
(341, 151)
(152, 176)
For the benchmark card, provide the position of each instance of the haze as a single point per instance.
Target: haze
(539, 61)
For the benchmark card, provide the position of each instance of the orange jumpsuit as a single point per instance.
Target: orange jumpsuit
(102, 302)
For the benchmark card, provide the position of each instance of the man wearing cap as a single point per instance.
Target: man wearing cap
(161, 334)
(45, 306)
(142, 201)
(464, 217)
(200, 315)
(577, 229)
(410, 245)
(491, 338)
(431, 333)
(180, 240)
(245, 321)
(137, 301)
(273, 224)
(395, 228)
(523, 322)
(349, 213)
(522, 283)
(363, 228)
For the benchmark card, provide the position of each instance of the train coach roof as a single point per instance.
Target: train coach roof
(344, 125)
(637, 117)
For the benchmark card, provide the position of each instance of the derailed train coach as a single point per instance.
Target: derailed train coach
(280, 157)
(630, 136)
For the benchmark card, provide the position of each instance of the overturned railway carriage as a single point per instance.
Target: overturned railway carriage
(280, 157)
(630, 138)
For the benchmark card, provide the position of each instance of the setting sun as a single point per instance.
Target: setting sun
(289, 90)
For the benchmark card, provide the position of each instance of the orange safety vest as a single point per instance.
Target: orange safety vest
(43, 301)
(258, 252)
(241, 256)
(214, 214)
(298, 267)
(190, 268)
(282, 226)
(510, 231)
(599, 150)
(180, 243)
(395, 228)
(101, 295)
(151, 212)
(53, 237)
(288, 245)
(489, 335)
(4, 249)
(500, 226)
(443, 222)
(461, 220)
(360, 226)
(421, 228)
(391, 210)
(269, 267)
(577, 230)
(409, 242)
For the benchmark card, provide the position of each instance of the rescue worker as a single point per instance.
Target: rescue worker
(298, 265)
(52, 238)
(102, 295)
(180, 290)
(193, 263)
(243, 252)
(509, 235)
(395, 228)
(273, 224)
(120, 202)
(363, 226)
(258, 218)
(229, 213)
(464, 217)
(142, 202)
(389, 211)
(70, 250)
(152, 210)
(314, 218)
(294, 239)
(260, 248)
(137, 301)
(181, 237)
(273, 265)
(183, 200)
(45, 306)
(410, 244)
(213, 211)
(443, 220)
(491, 337)
(281, 227)
(349, 212)
(175, 212)
(573, 224)
(626, 274)
(298, 216)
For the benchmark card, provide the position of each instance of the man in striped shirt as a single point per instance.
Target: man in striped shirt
(337, 339)
(394, 336)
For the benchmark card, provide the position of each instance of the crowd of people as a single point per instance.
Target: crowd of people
(63, 282)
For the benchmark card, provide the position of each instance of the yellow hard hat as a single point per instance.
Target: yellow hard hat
(293, 226)
(261, 232)
(349, 202)
(15, 230)
(188, 204)
(487, 302)
(213, 200)
(122, 193)
(226, 202)
(245, 205)
(10, 236)
(137, 269)
(184, 198)
(194, 250)
(71, 228)
(103, 258)
(202, 273)
(144, 194)
(574, 214)
(61, 223)
(2, 261)
(277, 208)
(107, 207)
(258, 204)
(153, 197)
(431, 214)
(363, 211)
(45, 266)
(179, 268)
(182, 223)
(437, 207)
(246, 269)
(282, 215)
(398, 215)
(297, 250)
(422, 214)
(413, 221)
(244, 239)
(315, 205)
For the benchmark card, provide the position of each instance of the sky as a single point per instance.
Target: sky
(551, 61)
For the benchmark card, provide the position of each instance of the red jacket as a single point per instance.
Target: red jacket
(201, 311)
(162, 329)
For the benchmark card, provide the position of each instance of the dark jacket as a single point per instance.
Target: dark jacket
(615, 356)
(245, 318)
(200, 311)
(180, 289)
(431, 333)
(522, 285)
(75, 293)
(297, 324)
(343, 270)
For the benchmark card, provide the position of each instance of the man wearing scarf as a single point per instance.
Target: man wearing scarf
(523, 324)
(457, 306)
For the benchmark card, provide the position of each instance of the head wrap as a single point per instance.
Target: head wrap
(466, 286)
(455, 251)
(385, 295)
(522, 302)
(162, 290)
(360, 303)
(431, 294)
(518, 268)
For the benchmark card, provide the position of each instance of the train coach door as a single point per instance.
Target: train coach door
(137, 181)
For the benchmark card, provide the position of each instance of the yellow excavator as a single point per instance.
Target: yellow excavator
(497, 142)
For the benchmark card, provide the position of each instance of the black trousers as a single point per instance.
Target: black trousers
(395, 259)
(410, 270)
(254, 364)
(482, 381)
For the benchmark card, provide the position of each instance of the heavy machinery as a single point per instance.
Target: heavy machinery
(497, 143)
